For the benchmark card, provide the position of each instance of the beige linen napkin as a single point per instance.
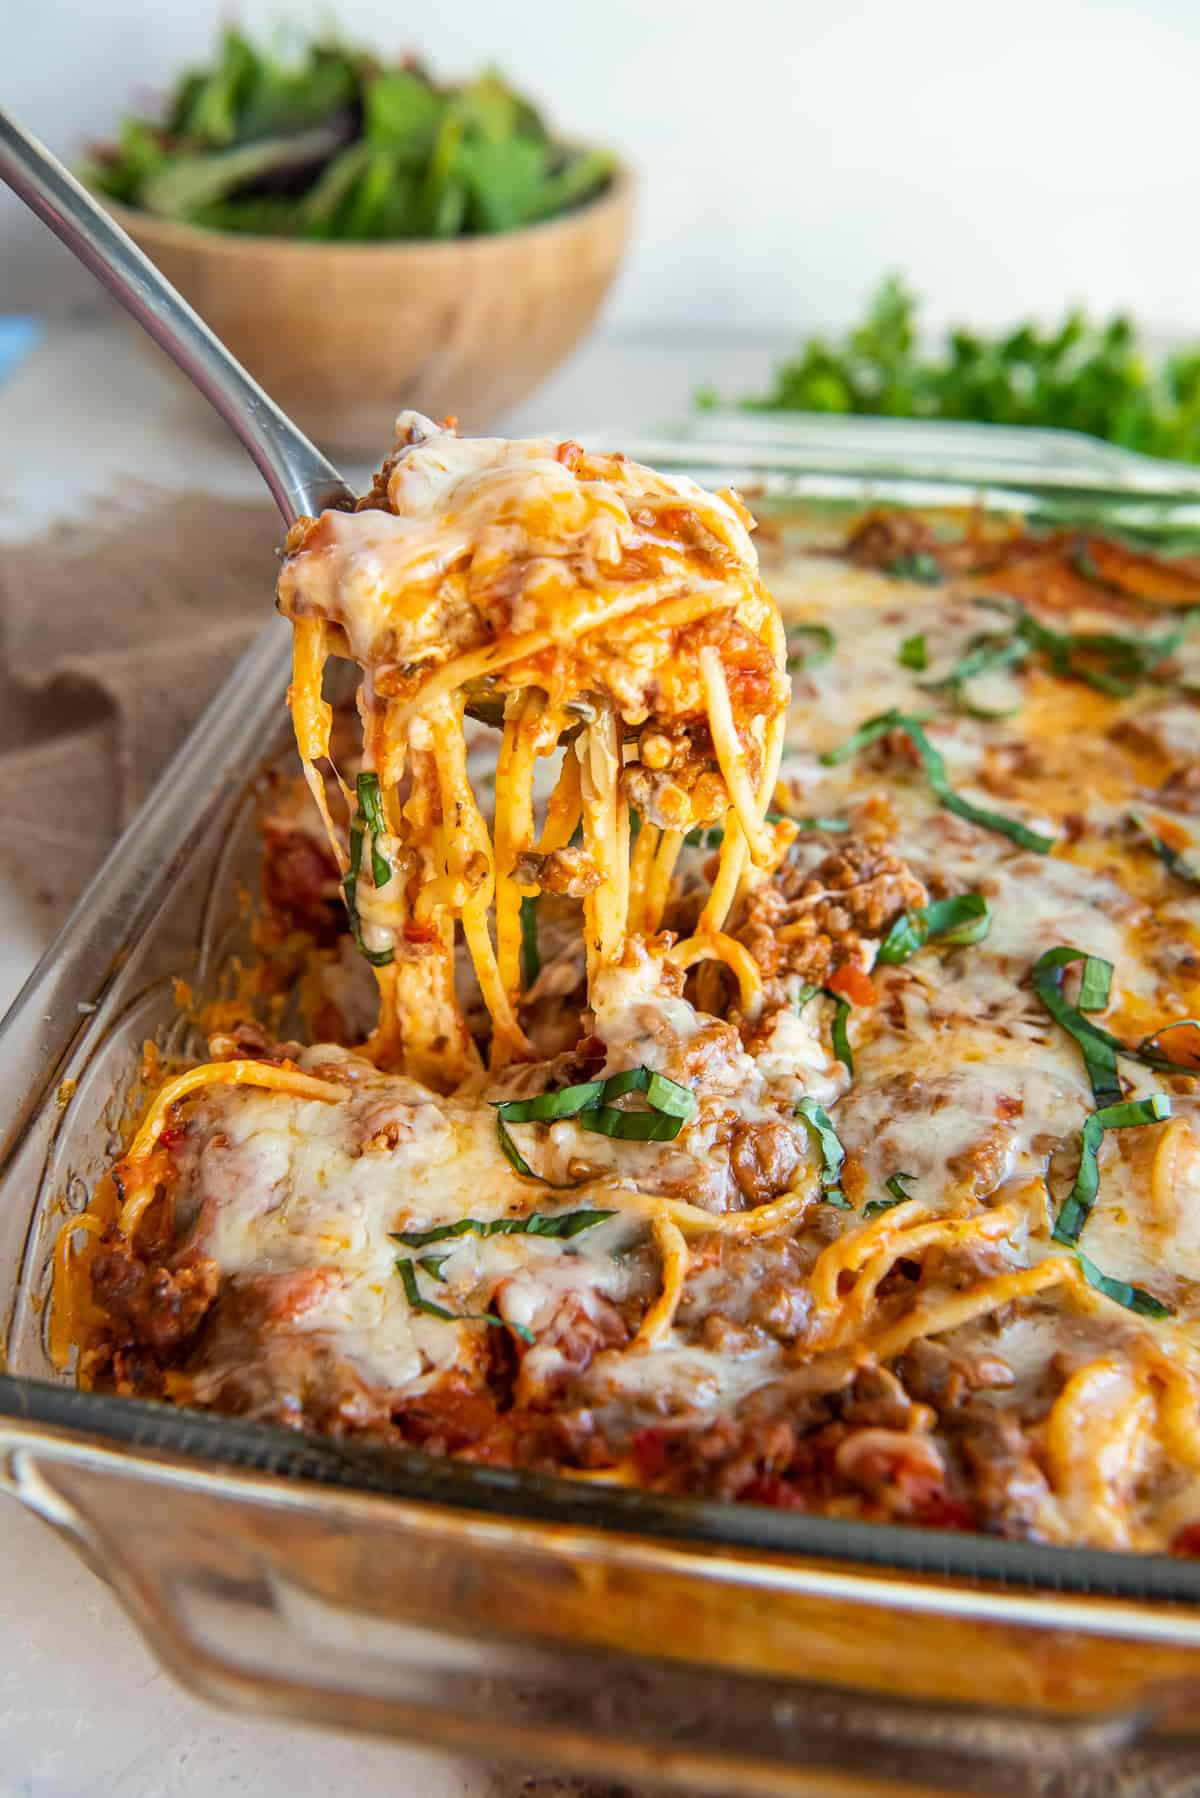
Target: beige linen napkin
(115, 631)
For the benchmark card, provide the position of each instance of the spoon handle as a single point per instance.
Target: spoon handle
(299, 476)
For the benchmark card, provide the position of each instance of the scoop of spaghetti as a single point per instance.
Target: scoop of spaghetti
(606, 616)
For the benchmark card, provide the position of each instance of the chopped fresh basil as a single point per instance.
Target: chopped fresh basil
(433, 1265)
(1098, 1048)
(895, 1186)
(921, 567)
(1134, 1298)
(988, 653)
(370, 802)
(590, 1103)
(838, 1035)
(663, 1094)
(531, 960)
(513, 1155)
(1110, 661)
(1095, 984)
(836, 824)
(545, 1108)
(1172, 859)
(1077, 1206)
(537, 1223)
(629, 1126)
(866, 734)
(369, 815)
(833, 1154)
(960, 920)
(935, 774)
(913, 653)
(823, 641)
(412, 1292)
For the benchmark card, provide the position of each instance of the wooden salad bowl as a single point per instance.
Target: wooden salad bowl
(345, 335)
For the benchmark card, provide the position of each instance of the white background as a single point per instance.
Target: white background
(1010, 157)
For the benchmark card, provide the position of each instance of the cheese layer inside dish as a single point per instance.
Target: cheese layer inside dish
(790, 1103)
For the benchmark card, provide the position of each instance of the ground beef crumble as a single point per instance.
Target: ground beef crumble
(807, 923)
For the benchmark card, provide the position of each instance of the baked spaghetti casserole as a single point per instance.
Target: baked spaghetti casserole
(786, 1099)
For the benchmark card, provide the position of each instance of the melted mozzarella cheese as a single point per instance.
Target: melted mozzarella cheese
(510, 515)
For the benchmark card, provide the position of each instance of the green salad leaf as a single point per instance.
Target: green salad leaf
(330, 144)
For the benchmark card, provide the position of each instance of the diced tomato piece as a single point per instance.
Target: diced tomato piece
(456, 1416)
(770, 1489)
(649, 1449)
(853, 984)
(1187, 1542)
(420, 934)
(942, 1513)
(1179, 1042)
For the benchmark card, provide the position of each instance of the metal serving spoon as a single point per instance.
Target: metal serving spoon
(301, 479)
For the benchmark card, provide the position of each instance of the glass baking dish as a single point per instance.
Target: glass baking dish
(594, 1628)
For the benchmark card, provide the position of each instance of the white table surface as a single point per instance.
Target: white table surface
(85, 1712)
